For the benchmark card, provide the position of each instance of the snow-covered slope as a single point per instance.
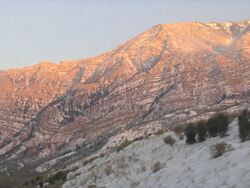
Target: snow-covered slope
(151, 163)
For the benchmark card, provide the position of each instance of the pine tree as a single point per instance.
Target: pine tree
(212, 128)
(244, 125)
(223, 122)
(190, 133)
(218, 124)
(202, 131)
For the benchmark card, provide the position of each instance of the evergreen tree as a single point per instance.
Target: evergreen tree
(223, 122)
(202, 131)
(244, 125)
(212, 128)
(218, 124)
(190, 133)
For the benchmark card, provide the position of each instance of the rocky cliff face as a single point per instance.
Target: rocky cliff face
(167, 74)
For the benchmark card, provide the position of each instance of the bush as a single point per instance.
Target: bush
(159, 132)
(219, 149)
(190, 133)
(202, 131)
(179, 129)
(108, 170)
(169, 140)
(157, 166)
(92, 186)
(123, 145)
(59, 176)
(139, 138)
(244, 125)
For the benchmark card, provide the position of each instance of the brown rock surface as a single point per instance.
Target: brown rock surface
(167, 74)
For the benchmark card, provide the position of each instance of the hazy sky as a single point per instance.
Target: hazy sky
(55, 30)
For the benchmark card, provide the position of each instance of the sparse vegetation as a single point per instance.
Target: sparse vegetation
(139, 138)
(127, 143)
(92, 186)
(159, 132)
(59, 176)
(169, 140)
(143, 168)
(157, 166)
(108, 170)
(219, 149)
(90, 160)
(102, 155)
(135, 184)
(123, 145)
(22, 179)
(179, 129)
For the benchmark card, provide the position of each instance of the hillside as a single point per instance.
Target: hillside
(165, 76)
(179, 165)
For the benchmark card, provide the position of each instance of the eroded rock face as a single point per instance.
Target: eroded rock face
(167, 74)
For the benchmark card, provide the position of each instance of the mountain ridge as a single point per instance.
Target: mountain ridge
(166, 75)
(242, 22)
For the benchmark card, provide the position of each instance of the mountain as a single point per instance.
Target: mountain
(166, 76)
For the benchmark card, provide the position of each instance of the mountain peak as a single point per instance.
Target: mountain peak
(45, 63)
(164, 76)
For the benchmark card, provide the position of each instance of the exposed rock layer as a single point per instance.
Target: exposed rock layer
(185, 69)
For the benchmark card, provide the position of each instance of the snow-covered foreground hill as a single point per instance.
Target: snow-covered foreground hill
(151, 163)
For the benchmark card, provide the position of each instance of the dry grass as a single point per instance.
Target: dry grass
(219, 149)
(159, 132)
(108, 170)
(169, 140)
(156, 167)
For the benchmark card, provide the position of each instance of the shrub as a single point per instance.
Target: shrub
(219, 149)
(244, 125)
(190, 133)
(139, 138)
(90, 160)
(102, 155)
(123, 145)
(169, 140)
(201, 131)
(143, 168)
(92, 186)
(59, 176)
(179, 129)
(40, 184)
(134, 184)
(156, 167)
(159, 132)
(108, 170)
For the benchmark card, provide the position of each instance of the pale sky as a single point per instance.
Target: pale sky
(39, 30)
